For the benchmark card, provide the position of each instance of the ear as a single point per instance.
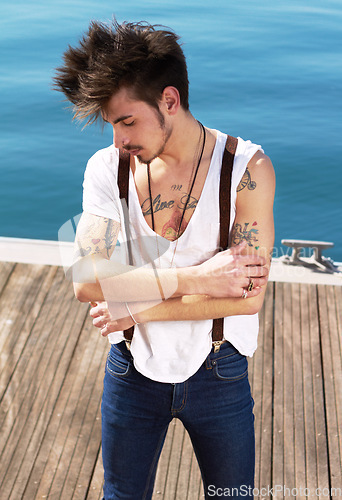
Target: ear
(171, 100)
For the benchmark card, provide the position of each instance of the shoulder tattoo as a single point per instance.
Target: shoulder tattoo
(246, 181)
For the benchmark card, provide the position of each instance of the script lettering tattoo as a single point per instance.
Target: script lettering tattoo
(246, 181)
(176, 187)
(159, 205)
(240, 234)
(192, 203)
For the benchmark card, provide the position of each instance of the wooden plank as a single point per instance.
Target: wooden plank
(95, 491)
(330, 321)
(309, 416)
(189, 484)
(318, 392)
(89, 460)
(174, 463)
(262, 391)
(185, 461)
(314, 417)
(195, 487)
(6, 268)
(278, 401)
(163, 465)
(338, 376)
(265, 477)
(298, 390)
(288, 384)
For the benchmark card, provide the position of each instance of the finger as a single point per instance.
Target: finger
(105, 331)
(252, 260)
(95, 312)
(255, 271)
(236, 250)
(101, 309)
(100, 322)
(253, 293)
(257, 282)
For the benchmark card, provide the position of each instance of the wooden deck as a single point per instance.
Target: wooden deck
(51, 370)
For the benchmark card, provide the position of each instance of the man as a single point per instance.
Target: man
(134, 77)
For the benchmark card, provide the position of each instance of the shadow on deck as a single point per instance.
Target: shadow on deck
(51, 371)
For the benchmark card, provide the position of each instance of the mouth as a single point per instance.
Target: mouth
(133, 152)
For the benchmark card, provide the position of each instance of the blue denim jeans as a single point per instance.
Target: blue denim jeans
(215, 406)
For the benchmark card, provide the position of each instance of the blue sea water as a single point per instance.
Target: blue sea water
(269, 71)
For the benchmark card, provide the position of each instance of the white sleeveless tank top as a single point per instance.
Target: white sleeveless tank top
(172, 351)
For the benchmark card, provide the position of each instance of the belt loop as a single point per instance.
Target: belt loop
(208, 363)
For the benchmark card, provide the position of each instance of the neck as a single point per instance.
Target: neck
(179, 150)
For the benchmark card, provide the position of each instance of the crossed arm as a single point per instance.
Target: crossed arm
(210, 290)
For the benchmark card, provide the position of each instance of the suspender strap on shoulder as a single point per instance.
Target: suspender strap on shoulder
(225, 196)
(224, 201)
(123, 184)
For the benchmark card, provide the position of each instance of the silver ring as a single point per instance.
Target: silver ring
(244, 294)
(251, 285)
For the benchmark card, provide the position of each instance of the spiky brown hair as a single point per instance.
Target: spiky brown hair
(141, 56)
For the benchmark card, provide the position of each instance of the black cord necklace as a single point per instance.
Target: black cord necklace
(190, 190)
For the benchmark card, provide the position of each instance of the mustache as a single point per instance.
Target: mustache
(131, 148)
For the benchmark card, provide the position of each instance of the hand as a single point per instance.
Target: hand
(105, 319)
(228, 273)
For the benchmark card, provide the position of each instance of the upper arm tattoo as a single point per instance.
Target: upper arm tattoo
(246, 181)
(95, 235)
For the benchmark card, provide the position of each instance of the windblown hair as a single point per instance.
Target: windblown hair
(111, 56)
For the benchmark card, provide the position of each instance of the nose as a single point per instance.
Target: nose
(119, 140)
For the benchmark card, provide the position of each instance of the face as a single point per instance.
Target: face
(138, 127)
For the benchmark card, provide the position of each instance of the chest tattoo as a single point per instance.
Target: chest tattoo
(158, 204)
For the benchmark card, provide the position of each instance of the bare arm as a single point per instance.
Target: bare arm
(96, 278)
(253, 227)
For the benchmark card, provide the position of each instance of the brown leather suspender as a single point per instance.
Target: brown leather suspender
(224, 201)
(123, 184)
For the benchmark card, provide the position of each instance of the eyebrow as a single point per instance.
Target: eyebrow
(121, 118)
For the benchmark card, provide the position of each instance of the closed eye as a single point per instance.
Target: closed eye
(129, 124)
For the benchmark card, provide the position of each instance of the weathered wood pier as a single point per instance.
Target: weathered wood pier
(51, 370)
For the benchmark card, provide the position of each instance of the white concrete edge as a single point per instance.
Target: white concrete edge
(57, 253)
(28, 251)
